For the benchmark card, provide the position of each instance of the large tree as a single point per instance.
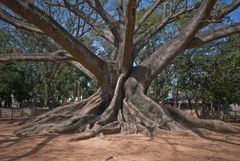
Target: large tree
(121, 103)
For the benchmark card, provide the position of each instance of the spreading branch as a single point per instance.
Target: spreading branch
(50, 27)
(60, 55)
(210, 36)
(6, 17)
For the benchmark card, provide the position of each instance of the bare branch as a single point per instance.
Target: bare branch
(48, 25)
(214, 35)
(143, 39)
(113, 26)
(148, 13)
(6, 17)
(105, 33)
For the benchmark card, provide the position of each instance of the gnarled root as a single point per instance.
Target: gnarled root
(146, 115)
(109, 122)
(73, 117)
(212, 125)
(89, 117)
(149, 116)
(129, 111)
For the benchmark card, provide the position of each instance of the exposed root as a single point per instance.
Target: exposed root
(84, 136)
(169, 118)
(107, 124)
(68, 118)
(111, 128)
(146, 115)
(111, 113)
(212, 125)
(129, 112)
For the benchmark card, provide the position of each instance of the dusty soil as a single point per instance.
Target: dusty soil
(163, 147)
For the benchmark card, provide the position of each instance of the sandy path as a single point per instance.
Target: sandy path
(164, 147)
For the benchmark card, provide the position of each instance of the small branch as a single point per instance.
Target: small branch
(148, 13)
(113, 26)
(6, 17)
(143, 39)
(120, 11)
(105, 33)
(56, 4)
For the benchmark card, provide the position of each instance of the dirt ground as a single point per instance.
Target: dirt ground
(166, 146)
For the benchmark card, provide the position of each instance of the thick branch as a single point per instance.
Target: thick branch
(210, 36)
(59, 55)
(213, 35)
(126, 60)
(6, 17)
(48, 25)
(165, 54)
(148, 13)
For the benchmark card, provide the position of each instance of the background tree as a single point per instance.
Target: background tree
(209, 75)
(24, 81)
(121, 103)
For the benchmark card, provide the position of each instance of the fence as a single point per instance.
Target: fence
(232, 116)
(20, 113)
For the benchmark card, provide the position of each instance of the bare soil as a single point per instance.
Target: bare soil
(166, 146)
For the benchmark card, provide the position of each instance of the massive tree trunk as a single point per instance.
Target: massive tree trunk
(120, 104)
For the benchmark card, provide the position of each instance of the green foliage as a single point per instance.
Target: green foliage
(209, 74)
(36, 83)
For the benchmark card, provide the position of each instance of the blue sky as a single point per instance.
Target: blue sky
(236, 15)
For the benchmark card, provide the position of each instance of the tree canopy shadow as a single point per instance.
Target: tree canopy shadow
(202, 135)
(34, 150)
